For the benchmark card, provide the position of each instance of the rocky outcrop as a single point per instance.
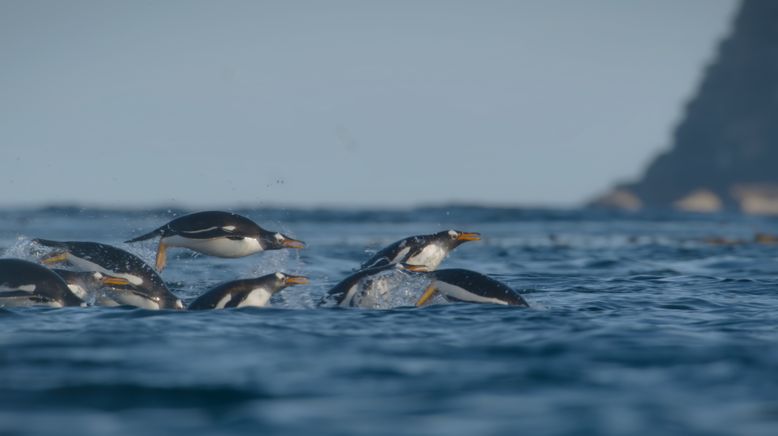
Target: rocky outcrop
(724, 154)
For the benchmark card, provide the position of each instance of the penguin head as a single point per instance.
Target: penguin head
(276, 240)
(454, 238)
(281, 280)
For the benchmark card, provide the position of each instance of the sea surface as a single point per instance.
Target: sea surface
(641, 324)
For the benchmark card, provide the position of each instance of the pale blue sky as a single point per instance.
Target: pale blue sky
(219, 103)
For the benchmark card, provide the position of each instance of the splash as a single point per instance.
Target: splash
(390, 289)
(25, 248)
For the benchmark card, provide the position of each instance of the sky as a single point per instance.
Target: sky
(342, 103)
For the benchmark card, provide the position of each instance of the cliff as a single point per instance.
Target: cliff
(724, 153)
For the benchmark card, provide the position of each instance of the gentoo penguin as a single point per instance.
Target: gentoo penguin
(216, 233)
(24, 283)
(422, 250)
(363, 288)
(145, 287)
(469, 286)
(82, 283)
(247, 292)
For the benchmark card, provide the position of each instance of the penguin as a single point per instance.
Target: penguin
(362, 288)
(144, 287)
(247, 292)
(469, 286)
(422, 250)
(82, 283)
(216, 233)
(24, 283)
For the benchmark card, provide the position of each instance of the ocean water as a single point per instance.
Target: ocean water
(640, 324)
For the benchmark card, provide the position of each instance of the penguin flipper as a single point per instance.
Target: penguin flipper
(149, 235)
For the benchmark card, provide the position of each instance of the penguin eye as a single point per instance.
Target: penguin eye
(453, 234)
(279, 237)
(279, 276)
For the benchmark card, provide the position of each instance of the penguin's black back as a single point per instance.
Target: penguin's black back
(479, 284)
(203, 220)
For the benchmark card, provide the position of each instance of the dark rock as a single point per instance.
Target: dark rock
(725, 150)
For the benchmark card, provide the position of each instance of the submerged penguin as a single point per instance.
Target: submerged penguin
(144, 287)
(82, 283)
(216, 233)
(469, 286)
(247, 292)
(363, 288)
(24, 283)
(423, 250)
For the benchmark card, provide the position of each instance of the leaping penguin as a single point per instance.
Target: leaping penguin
(422, 250)
(144, 287)
(216, 233)
(247, 292)
(469, 286)
(24, 284)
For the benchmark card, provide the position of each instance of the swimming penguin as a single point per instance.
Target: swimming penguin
(469, 286)
(363, 288)
(24, 283)
(144, 287)
(247, 292)
(215, 233)
(423, 250)
(82, 283)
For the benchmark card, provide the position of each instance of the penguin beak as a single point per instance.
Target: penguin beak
(53, 258)
(293, 243)
(428, 294)
(415, 268)
(296, 280)
(465, 236)
(114, 281)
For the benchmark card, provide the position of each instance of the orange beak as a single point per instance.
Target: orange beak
(467, 236)
(293, 243)
(296, 280)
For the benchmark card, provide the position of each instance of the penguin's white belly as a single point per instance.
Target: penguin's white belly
(27, 302)
(256, 298)
(79, 291)
(462, 294)
(219, 247)
(431, 256)
(127, 298)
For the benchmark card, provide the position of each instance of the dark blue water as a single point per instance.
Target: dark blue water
(638, 326)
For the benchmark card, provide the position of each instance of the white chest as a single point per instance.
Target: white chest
(219, 247)
(127, 298)
(256, 298)
(431, 256)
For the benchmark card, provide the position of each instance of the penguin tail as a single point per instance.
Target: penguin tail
(149, 235)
